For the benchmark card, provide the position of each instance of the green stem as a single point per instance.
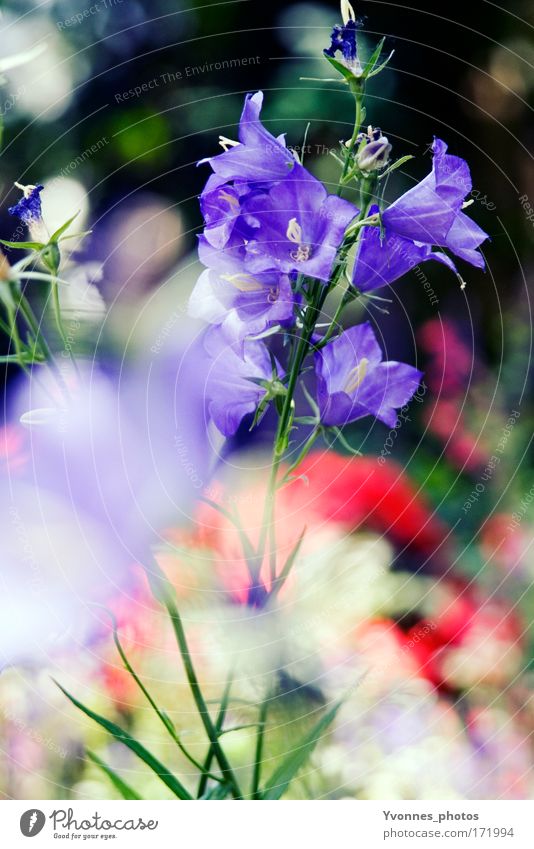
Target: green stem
(12, 331)
(162, 716)
(358, 92)
(219, 723)
(282, 431)
(260, 739)
(196, 692)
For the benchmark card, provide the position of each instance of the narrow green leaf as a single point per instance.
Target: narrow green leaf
(28, 246)
(374, 57)
(131, 743)
(59, 232)
(381, 67)
(281, 778)
(121, 786)
(340, 438)
(288, 565)
(395, 165)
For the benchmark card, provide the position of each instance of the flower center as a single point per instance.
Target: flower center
(274, 292)
(294, 233)
(356, 376)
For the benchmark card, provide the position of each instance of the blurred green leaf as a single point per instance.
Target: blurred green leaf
(121, 786)
(281, 778)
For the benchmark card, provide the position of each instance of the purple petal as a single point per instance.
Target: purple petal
(464, 238)
(380, 262)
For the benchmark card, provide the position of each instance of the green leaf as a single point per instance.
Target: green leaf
(281, 778)
(374, 57)
(395, 165)
(124, 789)
(381, 67)
(28, 246)
(346, 445)
(131, 743)
(59, 232)
(288, 565)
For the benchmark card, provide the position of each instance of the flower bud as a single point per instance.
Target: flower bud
(374, 153)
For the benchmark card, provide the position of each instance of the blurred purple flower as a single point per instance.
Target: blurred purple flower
(353, 382)
(227, 293)
(231, 389)
(108, 462)
(431, 212)
(114, 447)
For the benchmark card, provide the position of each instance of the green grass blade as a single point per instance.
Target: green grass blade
(121, 786)
(131, 743)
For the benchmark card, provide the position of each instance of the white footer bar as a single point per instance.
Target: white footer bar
(302, 825)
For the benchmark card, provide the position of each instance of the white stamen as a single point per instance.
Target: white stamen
(294, 231)
(230, 199)
(294, 234)
(463, 284)
(243, 282)
(347, 12)
(356, 375)
(27, 190)
(467, 203)
(226, 143)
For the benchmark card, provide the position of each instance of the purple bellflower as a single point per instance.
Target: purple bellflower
(384, 257)
(258, 157)
(228, 293)
(431, 212)
(299, 226)
(230, 390)
(353, 381)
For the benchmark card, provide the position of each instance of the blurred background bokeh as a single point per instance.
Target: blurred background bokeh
(112, 116)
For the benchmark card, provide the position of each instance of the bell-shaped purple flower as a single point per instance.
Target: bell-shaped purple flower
(384, 257)
(232, 389)
(258, 157)
(353, 382)
(228, 293)
(431, 212)
(298, 226)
